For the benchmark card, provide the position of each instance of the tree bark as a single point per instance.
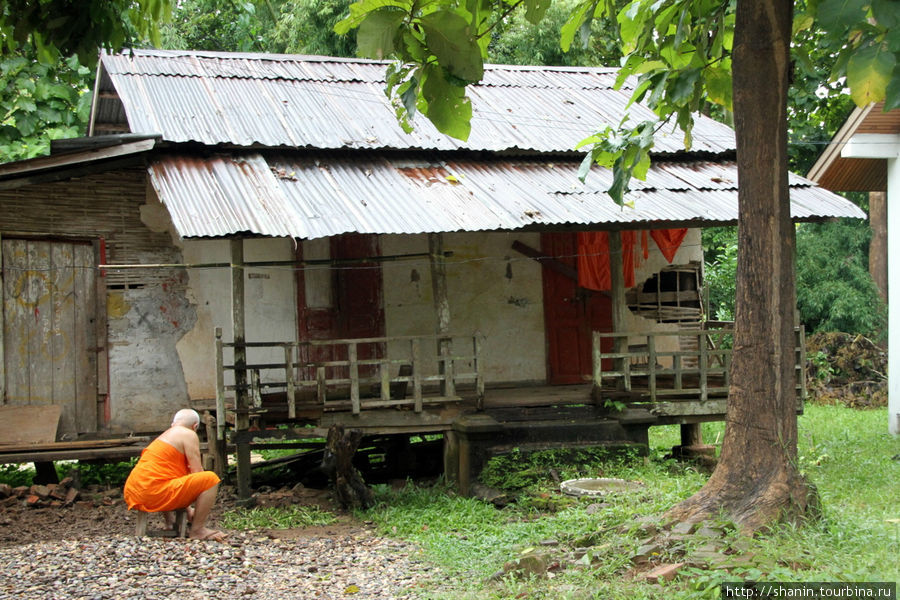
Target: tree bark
(756, 481)
(350, 489)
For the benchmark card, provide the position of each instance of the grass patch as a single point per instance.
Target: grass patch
(847, 453)
(288, 517)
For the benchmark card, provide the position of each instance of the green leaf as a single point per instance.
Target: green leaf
(718, 87)
(535, 10)
(359, 11)
(885, 13)
(449, 36)
(582, 13)
(682, 86)
(446, 105)
(835, 14)
(892, 94)
(869, 72)
(378, 31)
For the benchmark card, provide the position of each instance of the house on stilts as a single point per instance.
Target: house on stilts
(255, 236)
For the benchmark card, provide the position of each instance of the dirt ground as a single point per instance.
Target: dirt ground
(102, 512)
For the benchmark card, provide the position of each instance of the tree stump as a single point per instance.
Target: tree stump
(349, 487)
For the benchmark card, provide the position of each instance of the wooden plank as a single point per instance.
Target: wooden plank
(75, 445)
(29, 424)
(117, 452)
(40, 370)
(321, 385)
(651, 365)
(100, 337)
(385, 373)
(2, 326)
(86, 335)
(690, 408)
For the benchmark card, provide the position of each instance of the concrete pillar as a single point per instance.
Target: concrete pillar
(887, 146)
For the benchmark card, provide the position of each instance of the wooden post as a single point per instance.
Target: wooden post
(289, 379)
(354, 377)
(619, 306)
(241, 412)
(417, 374)
(691, 434)
(651, 365)
(441, 305)
(479, 374)
(2, 360)
(220, 387)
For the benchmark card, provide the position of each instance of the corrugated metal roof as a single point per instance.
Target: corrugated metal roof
(283, 195)
(331, 103)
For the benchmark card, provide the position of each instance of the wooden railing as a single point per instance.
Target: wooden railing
(389, 372)
(693, 364)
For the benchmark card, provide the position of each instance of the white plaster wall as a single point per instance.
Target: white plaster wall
(690, 250)
(270, 304)
(491, 289)
(144, 324)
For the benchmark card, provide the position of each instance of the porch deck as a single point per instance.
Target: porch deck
(435, 384)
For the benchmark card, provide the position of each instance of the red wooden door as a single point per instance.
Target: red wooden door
(351, 307)
(571, 313)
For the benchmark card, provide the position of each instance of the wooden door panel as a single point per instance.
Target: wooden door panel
(571, 314)
(49, 331)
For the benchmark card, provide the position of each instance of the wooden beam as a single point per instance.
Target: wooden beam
(619, 305)
(241, 415)
(441, 308)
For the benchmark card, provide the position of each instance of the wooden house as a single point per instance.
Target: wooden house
(256, 236)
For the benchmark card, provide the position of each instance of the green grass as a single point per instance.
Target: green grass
(847, 453)
(288, 517)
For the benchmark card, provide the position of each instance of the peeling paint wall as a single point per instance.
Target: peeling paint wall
(147, 383)
(145, 323)
(270, 303)
(491, 289)
(147, 310)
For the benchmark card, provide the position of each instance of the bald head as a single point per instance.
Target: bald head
(186, 417)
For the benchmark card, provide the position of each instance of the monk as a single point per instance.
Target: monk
(169, 476)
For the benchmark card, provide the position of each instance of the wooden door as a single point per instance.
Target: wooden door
(571, 313)
(343, 299)
(49, 334)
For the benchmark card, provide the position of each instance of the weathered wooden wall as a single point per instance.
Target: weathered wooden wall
(147, 311)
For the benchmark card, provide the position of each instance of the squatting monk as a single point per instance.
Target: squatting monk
(170, 476)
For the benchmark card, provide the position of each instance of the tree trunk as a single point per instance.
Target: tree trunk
(350, 489)
(756, 481)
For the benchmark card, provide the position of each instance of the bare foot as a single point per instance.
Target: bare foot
(208, 534)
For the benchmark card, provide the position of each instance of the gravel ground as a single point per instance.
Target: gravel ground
(352, 564)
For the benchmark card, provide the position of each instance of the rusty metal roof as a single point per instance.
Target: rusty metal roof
(286, 195)
(265, 100)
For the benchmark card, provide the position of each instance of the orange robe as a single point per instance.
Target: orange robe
(162, 480)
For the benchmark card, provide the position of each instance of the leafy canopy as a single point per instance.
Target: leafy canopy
(61, 28)
(679, 52)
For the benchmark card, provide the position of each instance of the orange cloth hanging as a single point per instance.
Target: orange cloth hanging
(593, 259)
(668, 240)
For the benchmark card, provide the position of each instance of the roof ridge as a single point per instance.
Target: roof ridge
(276, 57)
